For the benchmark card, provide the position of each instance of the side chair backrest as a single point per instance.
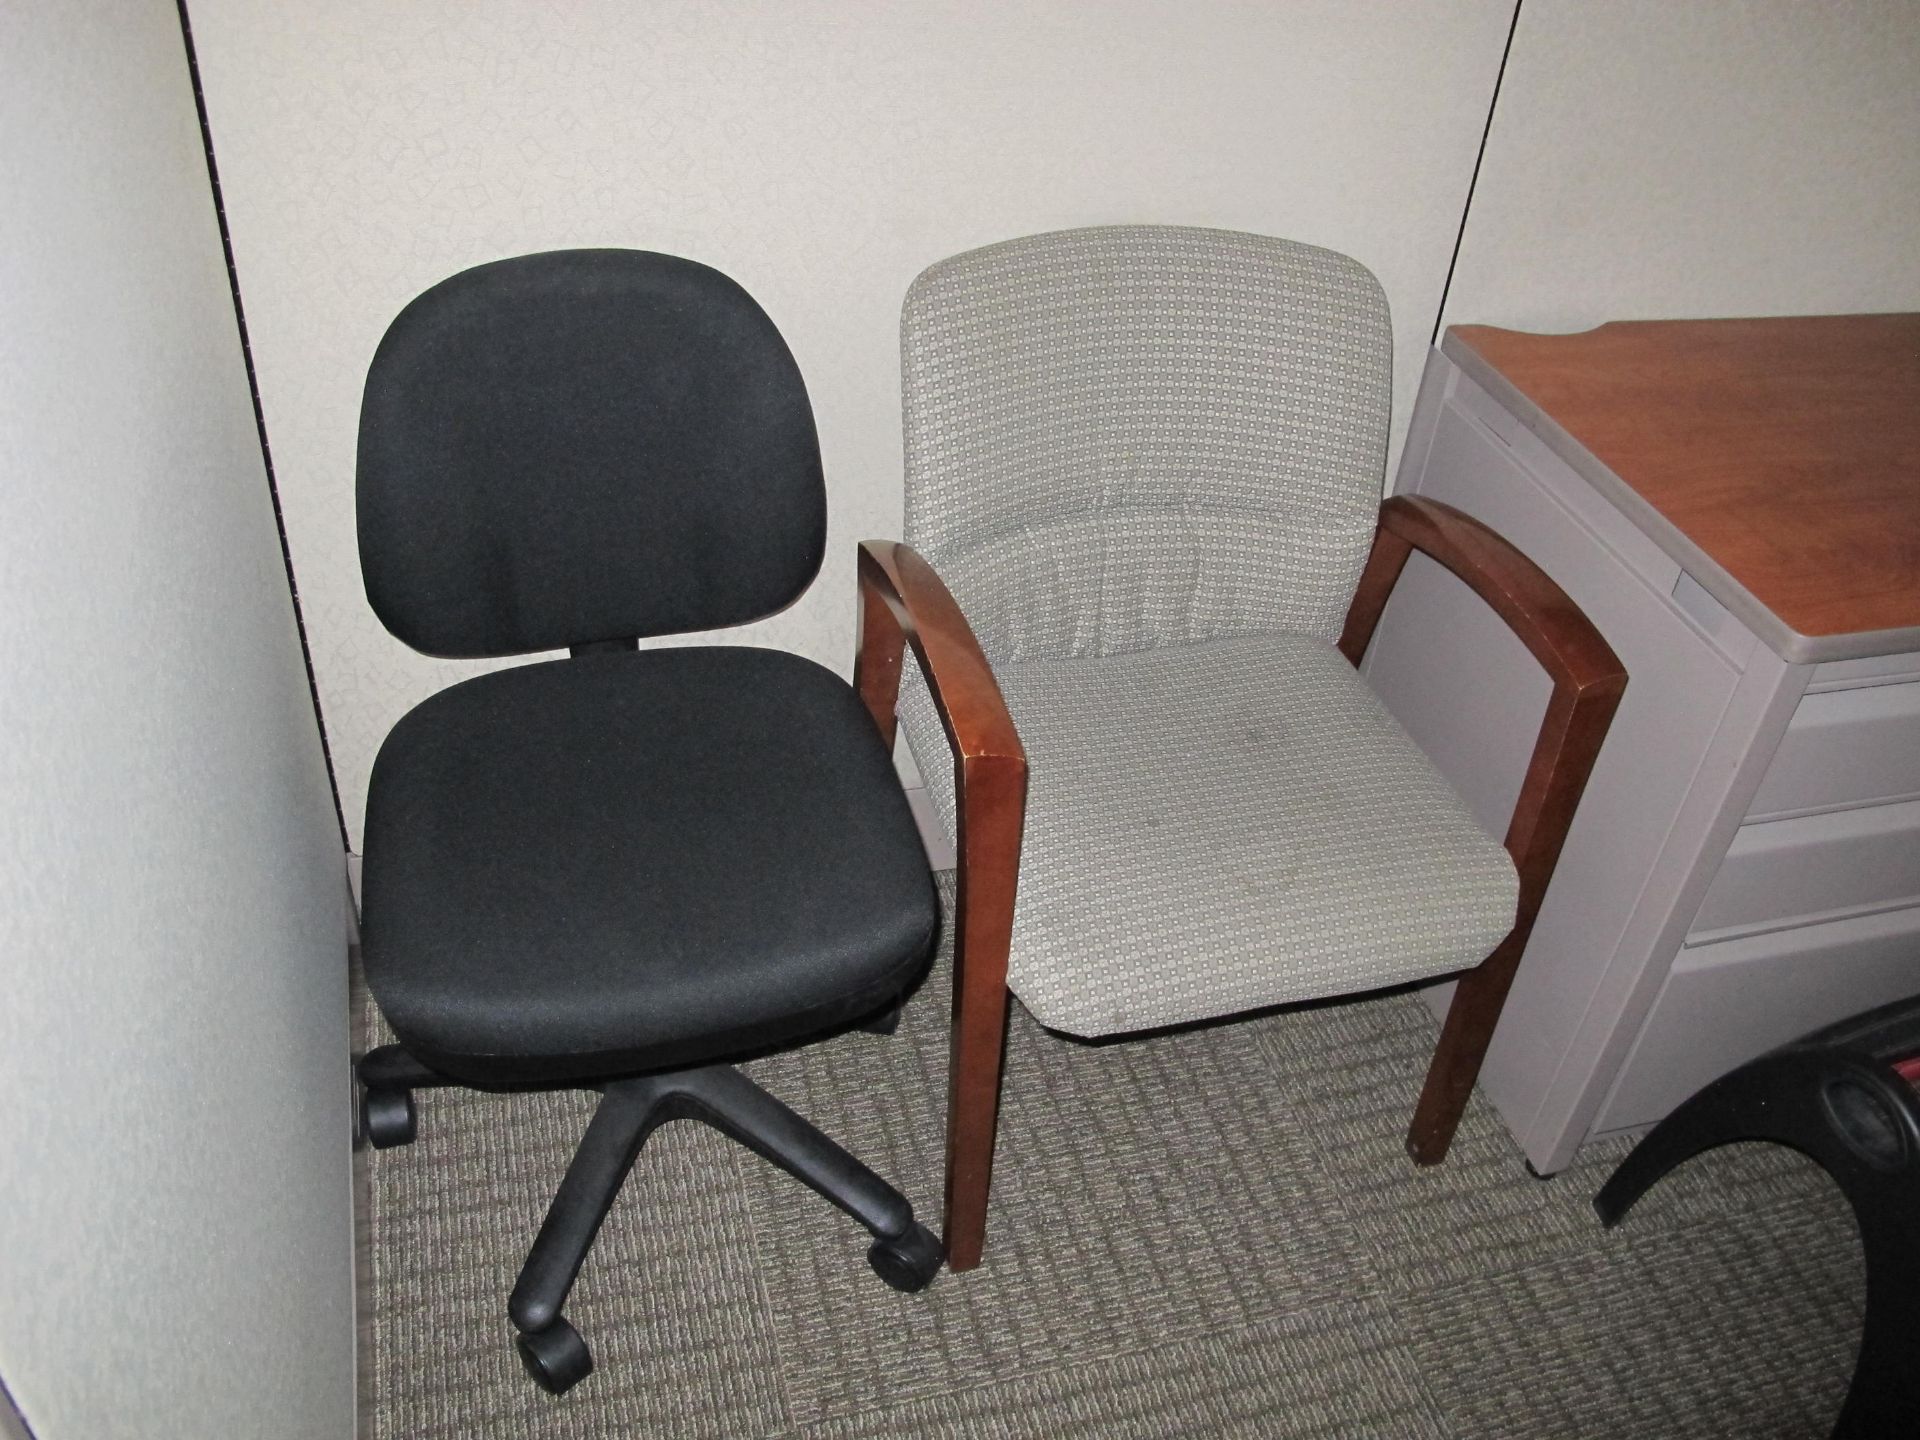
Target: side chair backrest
(1133, 436)
(584, 445)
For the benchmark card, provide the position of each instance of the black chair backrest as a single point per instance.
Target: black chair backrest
(579, 446)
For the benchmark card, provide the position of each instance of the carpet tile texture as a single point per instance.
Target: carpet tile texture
(1206, 1232)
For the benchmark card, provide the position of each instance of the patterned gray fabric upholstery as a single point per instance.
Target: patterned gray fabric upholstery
(1147, 460)
(1216, 827)
(1145, 435)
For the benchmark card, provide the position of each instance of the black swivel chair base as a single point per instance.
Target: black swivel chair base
(1845, 1097)
(904, 1253)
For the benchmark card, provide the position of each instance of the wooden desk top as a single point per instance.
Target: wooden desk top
(1786, 450)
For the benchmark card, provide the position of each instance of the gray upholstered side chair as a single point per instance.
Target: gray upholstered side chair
(1147, 461)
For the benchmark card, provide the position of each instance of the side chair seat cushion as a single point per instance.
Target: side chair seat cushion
(632, 861)
(1216, 827)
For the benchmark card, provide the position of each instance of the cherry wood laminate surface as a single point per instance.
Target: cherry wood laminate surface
(1787, 449)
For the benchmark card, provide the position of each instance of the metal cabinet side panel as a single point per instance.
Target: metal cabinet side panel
(1709, 815)
(1654, 824)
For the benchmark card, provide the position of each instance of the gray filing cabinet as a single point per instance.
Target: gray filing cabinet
(1746, 864)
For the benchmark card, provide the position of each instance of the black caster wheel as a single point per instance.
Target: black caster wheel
(386, 1118)
(907, 1262)
(556, 1357)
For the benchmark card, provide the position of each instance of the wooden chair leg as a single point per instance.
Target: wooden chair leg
(1588, 681)
(992, 815)
(973, 1117)
(1477, 1002)
(901, 598)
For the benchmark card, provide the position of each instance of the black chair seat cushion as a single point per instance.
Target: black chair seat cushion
(632, 861)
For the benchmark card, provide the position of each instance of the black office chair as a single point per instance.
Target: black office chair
(1847, 1096)
(621, 870)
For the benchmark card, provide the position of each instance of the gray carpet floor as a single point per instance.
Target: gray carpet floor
(1209, 1233)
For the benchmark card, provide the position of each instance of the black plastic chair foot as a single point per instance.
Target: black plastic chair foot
(1845, 1097)
(556, 1357)
(908, 1261)
(387, 1118)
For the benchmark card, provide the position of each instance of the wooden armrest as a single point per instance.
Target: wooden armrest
(1588, 678)
(1537, 610)
(1588, 681)
(903, 599)
(902, 602)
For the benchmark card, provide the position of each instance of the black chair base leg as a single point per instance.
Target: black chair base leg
(905, 1253)
(1837, 1099)
(720, 1096)
(628, 1112)
(884, 1022)
(1709, 1119)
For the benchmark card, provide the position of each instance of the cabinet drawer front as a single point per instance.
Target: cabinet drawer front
(1725, 1004)
(1778, 871)
(1845, 747)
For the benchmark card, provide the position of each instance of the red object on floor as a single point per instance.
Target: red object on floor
(1909, 1070)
